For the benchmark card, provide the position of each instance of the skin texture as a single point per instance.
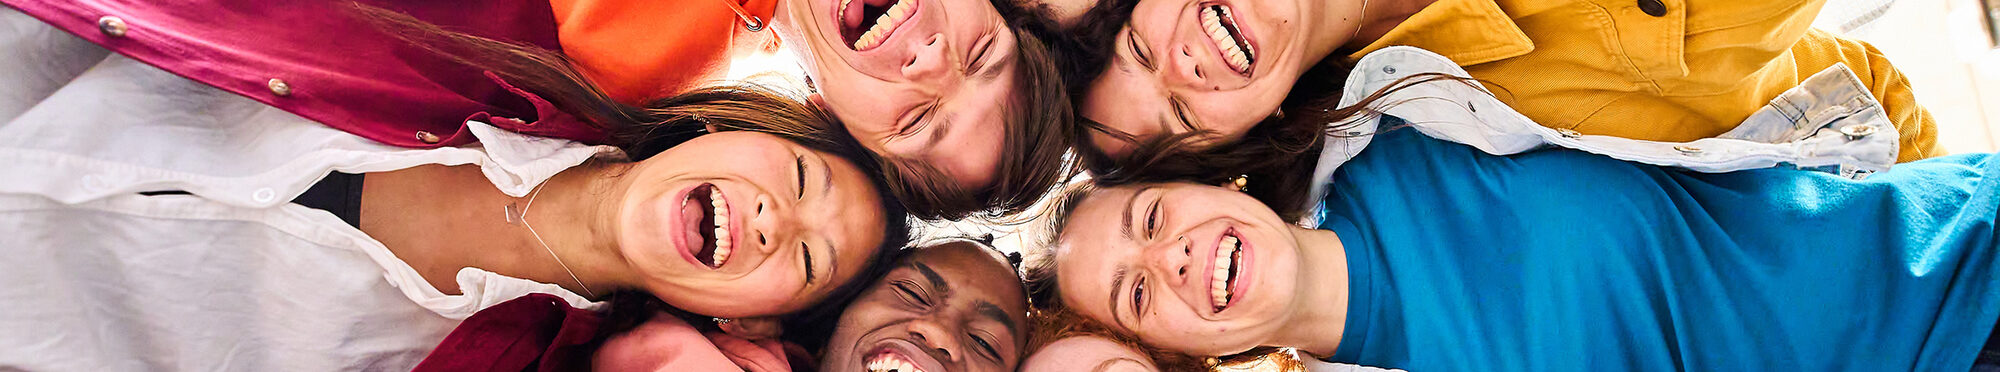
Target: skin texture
(969, 317)
(787, 202)
(1285, 295)
(1168, 76)
(1087, 354)
(935, 91)
(616, 225)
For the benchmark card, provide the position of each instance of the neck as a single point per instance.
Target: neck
(1375, 19)
(1317, 329)
(575, 215)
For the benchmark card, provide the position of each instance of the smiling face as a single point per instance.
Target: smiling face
(1087, 354)
(740, 224)
(1215, 65)
(929, 81)
(1189, 268)
(954, 307)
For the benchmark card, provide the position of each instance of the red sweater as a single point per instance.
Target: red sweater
(317, 59)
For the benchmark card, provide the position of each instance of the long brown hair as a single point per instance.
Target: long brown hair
(661, 124)
(1032, 157)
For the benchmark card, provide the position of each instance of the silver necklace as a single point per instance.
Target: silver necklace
(521, 218)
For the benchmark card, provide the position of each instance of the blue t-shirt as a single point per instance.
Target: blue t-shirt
(1561, 260)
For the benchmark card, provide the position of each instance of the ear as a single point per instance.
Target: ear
(817, 100)
(753, 328)
(711, 127)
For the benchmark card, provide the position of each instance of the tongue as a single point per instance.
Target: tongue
(851, 17)
(691, 217)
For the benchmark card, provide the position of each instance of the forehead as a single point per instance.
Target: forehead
(1089, 250)
(1084, 353)
(974, 271)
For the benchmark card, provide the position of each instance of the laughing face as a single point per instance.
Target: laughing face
(924, 80)
(954, 307)
(1190, 268)
(740, 224)
(1213, 65)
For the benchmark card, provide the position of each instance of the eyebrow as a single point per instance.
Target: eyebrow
(1117, 281)
(932, 276)
(1130, 202)
(1107, 363)
(942, 126)
(825, 175)
(993, 311)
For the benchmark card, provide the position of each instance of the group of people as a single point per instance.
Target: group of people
(1408, 184)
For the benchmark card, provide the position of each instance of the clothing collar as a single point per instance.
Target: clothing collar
(1469, 32)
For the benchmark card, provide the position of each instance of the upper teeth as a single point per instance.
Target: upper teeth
(721, 228)
(883, 24)
(1218, 286)
(890, 362)
(1211, 22)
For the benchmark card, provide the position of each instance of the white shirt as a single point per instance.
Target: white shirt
(95, 277)
(1829, 123)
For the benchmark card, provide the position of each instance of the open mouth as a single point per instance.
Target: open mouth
(1222, 284)
(890, 359)
(707, 211)
(1220, 25)
(865, 24)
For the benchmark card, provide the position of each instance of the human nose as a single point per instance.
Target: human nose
(1185, 69)
(1171, 258)
(928, 60)
(775, 224)
(935, 337)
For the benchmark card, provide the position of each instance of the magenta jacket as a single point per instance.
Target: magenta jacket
(315, 58)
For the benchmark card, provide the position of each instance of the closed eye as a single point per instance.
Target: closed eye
(986, 347)
(918, 122)
(799, 164)
(904, 289)
(806, 255)
(1181, 113)
(1138, 52)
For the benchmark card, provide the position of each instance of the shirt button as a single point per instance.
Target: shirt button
(1688, 150)
(1653, 8)
(1855, 132)
(427, 137)
(279, 87)
(264, 195)
(1389, 70)
(111, 26)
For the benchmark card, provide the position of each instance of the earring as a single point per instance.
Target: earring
(1278, 114)
(1241, 182)
(721, 322)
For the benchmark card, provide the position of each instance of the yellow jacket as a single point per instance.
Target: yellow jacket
(1664, 70)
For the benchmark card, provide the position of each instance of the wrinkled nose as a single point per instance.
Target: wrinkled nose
(1170, 258)
(935, 338)
(773, 224)
(1186, 70)
(928, 60)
